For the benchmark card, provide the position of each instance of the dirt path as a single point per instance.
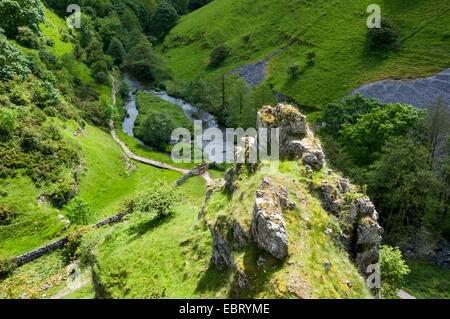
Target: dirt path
(115, 88)
(404, 295)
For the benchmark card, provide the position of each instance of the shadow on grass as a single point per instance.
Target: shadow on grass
(213, 279)
(142, 227)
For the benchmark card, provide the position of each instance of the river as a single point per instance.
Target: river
(192, 113)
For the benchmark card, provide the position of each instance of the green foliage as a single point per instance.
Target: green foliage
(218, 54)
(124, 89)
(7, 123)
(403, 186)
(7, 265)
(79, 212)
(427, 281)
(382, 38)
(28, 38)
(292, 69)
(61, 193)
(393, 270)
(143, 62)
(18, 13)
(116, 50)
(364, 139)
(44, 94)
(180, 5)
(75, 240)
(7, 215)
(155, 130)
(348, 111)
(164, 19)
(12, 61)
(159, 199)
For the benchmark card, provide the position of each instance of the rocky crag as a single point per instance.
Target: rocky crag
(236, 229)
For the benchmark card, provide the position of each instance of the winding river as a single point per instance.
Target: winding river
(192, 113)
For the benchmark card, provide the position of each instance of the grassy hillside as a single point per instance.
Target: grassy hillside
(334, 30)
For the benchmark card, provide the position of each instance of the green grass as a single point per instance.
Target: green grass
(309, 247)
(103, 183)
(143, 258)
(334, 30)
(427, 281)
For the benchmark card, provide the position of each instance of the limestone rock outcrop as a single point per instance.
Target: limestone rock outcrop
(361, 233)
(268, 226)
(296, 139)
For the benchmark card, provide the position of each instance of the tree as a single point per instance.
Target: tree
(142, 61)
(382, 38)
(401, 184)
(292, 69)
(7, 123)
(218, 54)
(156, 130)
(393, 270)
(438, 125)
(124, 89)
(364, 139)
(19, 13)
(345, 112)
(164, 19)
(116, 50)
(180, 5)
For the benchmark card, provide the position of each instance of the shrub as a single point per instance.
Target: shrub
(12, 61)
(393, 269)
(218, 54)
(28, 38)
(7, 214)
(382, 38)
(61, 193)
(310, 57)
(7, 123)
(6, 266)
(79, 212)
(160, 199)
(48, 58)
(74, 241)
(156, 130)
(16, 13)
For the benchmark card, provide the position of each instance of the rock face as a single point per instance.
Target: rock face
(423, 244)
(296, 139)
(268, 226)
(361, 233)
(221, 250)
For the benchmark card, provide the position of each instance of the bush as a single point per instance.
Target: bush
(12, 61)
(61, 193)
(393, 269)
(28, 38)
(7, 214)
(160, 199)
(16, 13)
(382, 38)
(218, 54)
(7, 123)
(7, 265)
(310, 57)
(74, 241)
(156, 130)
(79, 212)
